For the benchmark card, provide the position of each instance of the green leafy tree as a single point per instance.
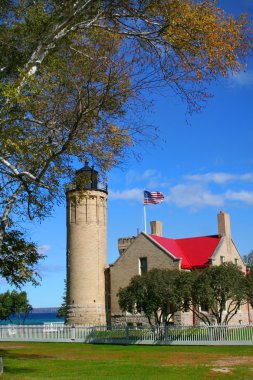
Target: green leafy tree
(218, 292)
(14, 304)
(214, 295)
(69, 71)
(19, 259)
(156, 294)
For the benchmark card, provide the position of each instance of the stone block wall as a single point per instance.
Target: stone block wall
(127, 266)
(86, 256)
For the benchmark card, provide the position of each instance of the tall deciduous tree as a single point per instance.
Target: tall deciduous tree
(156, 294)
(218, 292)
(70, 70)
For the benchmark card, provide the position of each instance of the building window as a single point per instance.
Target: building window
(236, 261)
(143, 265)
(203, 307)
(222, 259)
(72, 212)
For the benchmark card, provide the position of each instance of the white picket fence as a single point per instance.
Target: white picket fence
(50, 332)
(175, 335)
(163, 335)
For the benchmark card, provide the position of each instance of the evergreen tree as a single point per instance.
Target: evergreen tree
(62, 311)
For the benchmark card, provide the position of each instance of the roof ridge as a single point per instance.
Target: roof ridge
(190, 237)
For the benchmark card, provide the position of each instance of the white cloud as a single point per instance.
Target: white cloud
(130, 195)
(189, 195)
(150, 175)
(220, 178)
(196, 192)
(242, 196)
(43, 249)
(194, 196)
(243, 78)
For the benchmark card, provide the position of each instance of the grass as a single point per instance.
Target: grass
(25, 360)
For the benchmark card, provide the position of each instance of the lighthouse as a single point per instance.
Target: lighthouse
(86, 248)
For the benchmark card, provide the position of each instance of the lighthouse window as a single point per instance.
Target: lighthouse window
(72, 212)
(143, 265)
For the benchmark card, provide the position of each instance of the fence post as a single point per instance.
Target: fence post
(73, 333)
(211, 331)
(166, 332)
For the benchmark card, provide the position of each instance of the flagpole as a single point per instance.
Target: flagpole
(145, 222)
(153, 197)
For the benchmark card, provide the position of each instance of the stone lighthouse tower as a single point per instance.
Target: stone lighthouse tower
(86, 248)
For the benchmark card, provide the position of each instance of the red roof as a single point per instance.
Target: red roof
(195, 252)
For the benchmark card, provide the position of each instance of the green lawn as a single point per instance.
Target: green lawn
(82, 361)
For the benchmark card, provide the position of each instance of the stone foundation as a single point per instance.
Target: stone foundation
(92, 315)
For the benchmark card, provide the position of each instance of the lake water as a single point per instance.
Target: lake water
(35, 318)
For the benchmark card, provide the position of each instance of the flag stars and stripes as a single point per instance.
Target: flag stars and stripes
(153, 197)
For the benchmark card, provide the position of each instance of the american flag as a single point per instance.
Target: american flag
(153, 197)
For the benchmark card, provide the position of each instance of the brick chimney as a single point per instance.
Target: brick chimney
(156, 228)
(224, 224)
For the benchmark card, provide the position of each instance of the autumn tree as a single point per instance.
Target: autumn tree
(14, 305)
(69, 71)
(156, 294)
(218, 292)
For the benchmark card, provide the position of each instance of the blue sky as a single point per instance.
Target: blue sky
(202, 163)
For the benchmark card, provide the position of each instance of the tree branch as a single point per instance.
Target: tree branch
(22, 174)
